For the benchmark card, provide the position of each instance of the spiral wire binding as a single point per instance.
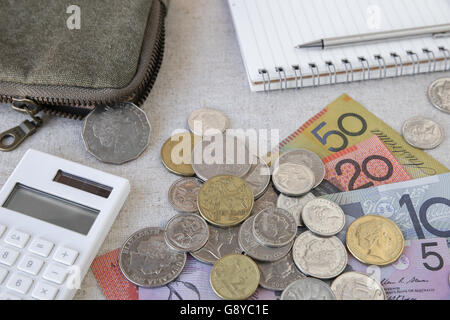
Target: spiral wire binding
(315, 74)
(365, 67)
(381, 66)
(298, 71)
(331, 72)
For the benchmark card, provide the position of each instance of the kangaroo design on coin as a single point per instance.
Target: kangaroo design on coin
(357, 286)
(186, 232)
(116, 134)
(279, 274)
(293, 179)
(322, 258)
(274, 227)
(221, 242)
(183, 194)
(375, 240)
(439, 94)
(323, 217)
(423, 133)
(308, 289)
(235, 277)
(147, 261)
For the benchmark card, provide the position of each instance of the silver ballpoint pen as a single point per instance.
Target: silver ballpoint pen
(436, 31)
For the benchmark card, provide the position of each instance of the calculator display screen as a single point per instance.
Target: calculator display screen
(52, 209)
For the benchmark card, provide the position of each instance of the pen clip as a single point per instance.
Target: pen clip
(441, 35)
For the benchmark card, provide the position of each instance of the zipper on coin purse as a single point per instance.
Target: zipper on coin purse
(77, 109)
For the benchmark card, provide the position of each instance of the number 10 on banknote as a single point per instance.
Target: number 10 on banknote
(345, 123)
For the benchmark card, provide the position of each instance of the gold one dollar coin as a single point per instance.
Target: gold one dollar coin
(235, 277)
(225, 201)
(176, 153)
(375, 240)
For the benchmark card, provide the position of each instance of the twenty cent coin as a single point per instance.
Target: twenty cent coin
(306, 158)
(279, 274)
(274, 227)
(235, 277)
(439, 94)
(308, 289)
(357, 286)
(176, 154)
(186, 232)
(183, 194)
(375, 240)
(322, 258)
(294, 205)
(254, 249)
(323, 217)
(147, 261)
(221, 242)
(206, 121)
(225, 201)
(293, 179)
(220, 155)
(116, 134)
(423, 133)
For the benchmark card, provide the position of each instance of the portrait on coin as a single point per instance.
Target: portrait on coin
(444, 94)
(375, 239)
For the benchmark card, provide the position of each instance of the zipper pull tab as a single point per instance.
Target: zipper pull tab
(12, 138)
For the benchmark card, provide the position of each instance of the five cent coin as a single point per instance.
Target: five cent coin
(293, 179)
(439, 94)
(225, 201)
(423, 133)
(186, 232)
(274, 227)
(308, 289)
(322, 258)
(183, 194)
(357, 286)
(147, 261)
(207, 121)
(116, 134)
(323, 217)
(235, 277)
(375, 240)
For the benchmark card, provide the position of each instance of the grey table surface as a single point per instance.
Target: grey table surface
(203, 67)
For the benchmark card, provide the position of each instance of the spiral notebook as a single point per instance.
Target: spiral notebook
(269, 30)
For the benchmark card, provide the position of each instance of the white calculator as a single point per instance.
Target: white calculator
(54, 216)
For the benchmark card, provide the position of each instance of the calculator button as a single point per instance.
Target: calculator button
(65, 256)
(8, 256)
(44, 291)
(3, 274)
(19, 283)
(9, 296)
(17, 238)
(2, 229)
(31, 265)
(41, 247)
(55, 273)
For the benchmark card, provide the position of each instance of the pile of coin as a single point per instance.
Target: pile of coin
(256, 233)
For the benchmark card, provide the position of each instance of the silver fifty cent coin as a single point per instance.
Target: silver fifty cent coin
(293, 179)
(183, 194)
(318, 257)
(323, 217)
(279, 274)
(147, 261)
(306, 158)
(357, 286)
(254, 249)
(308, 289)
(220, 155)
(439, 94)
(274, 227)
(258, 178)
(207, 121)
(116, 134)
(221, 242)
(294, 205)
(423, 133)
(186, 232)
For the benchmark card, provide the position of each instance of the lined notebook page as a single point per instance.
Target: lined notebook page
(269, 30)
